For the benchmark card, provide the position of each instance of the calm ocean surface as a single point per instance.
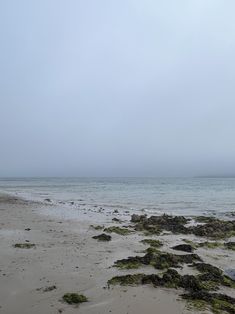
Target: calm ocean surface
(187, 196)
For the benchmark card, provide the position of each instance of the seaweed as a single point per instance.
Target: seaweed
(24, 245)
(74, 298)
(218, 301)
(118, 230)
(126, 280)
(211, 227)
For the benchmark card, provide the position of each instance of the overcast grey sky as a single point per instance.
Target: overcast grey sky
(117, 88)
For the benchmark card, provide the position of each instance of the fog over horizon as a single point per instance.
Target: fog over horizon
(117, 88)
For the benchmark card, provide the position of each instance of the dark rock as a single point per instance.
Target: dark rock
(103, 237)
(230, 245)
(183, 247)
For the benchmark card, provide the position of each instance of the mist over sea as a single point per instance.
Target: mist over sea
(182, 196)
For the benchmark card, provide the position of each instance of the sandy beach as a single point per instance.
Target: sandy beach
(67, 259)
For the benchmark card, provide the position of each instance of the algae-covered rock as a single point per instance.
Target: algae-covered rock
(230, 245)
(131, 262)
(157, 259)
(170, 279)
(183, 247)
(211, 227)
(138, 218)
(103, 237)
(156, 224)
(216, 228)
(213, 274)
(74, 298)
(118, 230)
(205, 219)
(219, 302)
(126, 280)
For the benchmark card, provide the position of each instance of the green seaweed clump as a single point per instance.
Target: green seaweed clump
(126, 280)
(24, 245)
(118, 230)
(74, 298)
(152, 242)
(103, 237)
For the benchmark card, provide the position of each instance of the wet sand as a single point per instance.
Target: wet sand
(66, 256)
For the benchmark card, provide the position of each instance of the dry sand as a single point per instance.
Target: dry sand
(66, 256)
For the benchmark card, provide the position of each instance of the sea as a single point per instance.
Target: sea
(176, 196)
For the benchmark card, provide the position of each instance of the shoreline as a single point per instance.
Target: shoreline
(67, 257)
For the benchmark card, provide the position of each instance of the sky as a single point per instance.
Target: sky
(117, 88)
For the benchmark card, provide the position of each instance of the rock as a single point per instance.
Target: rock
(138, 218)
(103, 237)
(183, 247)
(230, 245)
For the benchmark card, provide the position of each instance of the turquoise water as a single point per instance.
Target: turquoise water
(185, 196)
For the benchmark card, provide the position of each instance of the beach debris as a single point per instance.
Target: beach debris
(118, 230)
(74, 298)
(103, 237)
(184, 248)
(47, 289)
(24, 245)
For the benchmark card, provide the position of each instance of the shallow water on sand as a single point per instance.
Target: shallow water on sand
(182, 196)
